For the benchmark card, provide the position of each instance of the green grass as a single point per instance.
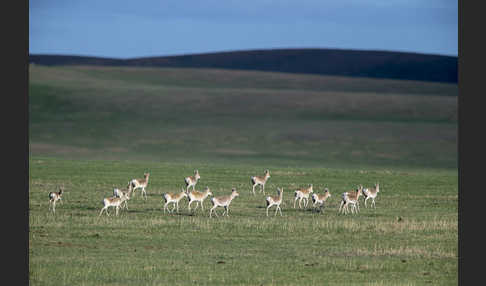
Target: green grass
(409, 239)
(94, 128)
(214, 115)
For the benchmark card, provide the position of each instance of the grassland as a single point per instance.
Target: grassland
(92, 129)
(410, 239)
(196, 115)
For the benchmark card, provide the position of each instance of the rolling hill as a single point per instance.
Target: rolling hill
(209, 115)
(352, 63)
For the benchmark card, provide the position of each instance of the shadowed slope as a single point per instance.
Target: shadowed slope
(355, 63)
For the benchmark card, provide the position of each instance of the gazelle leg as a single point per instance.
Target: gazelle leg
(211, 211)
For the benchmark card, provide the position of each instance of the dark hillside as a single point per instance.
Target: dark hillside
(354, 63)
(62, 60)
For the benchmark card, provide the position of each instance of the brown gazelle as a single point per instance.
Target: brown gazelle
(127, 192)
(257, 180)
(319, 199)
(303, 194)
(191, 181)
(115, 202)
(275, 201)
(173, 198)
(54, 197)
(350, 198)
(198, 197)
(371, 193)
(140, 184)
(223, 201)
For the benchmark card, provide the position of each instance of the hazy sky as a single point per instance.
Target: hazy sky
(127, 29)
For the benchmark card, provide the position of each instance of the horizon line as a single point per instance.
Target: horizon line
(239, 51)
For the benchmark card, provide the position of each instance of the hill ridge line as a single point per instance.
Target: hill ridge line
(336, 62)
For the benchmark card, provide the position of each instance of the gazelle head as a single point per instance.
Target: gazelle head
(234, 193)
(61, 190)
(326, 191)
(208, 191)
(267, 173)
(311, 190)
(280, 191)
(377, 187)
(360, 190)
(196, 175)
(124, 197)
(184, 193)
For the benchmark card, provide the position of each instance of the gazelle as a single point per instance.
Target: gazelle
(54, 197)
(275, 201)
(191, 181)
(140, 184)
(320, 198)
(303, 194)
(127, 192)
(223, 201)
(173, 198)
(371, 193)
(257, 180)
(351, 197)
(198, 197)
(115, 202)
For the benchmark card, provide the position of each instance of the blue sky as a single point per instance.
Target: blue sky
(128, 29)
